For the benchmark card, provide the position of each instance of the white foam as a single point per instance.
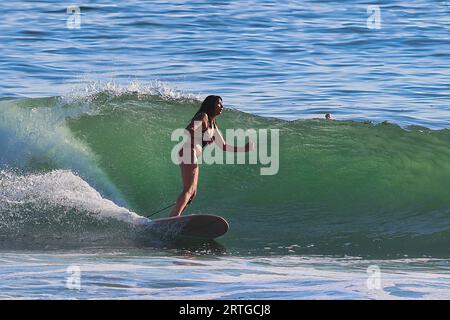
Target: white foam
(88, 89)
(40, 135)
(61, 188)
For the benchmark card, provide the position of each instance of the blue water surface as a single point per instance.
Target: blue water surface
(285, 59)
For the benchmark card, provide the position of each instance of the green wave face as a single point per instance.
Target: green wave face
(342, 187)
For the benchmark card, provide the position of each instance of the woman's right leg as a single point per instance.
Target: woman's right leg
(189, 174)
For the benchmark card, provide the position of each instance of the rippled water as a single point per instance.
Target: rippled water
(286, 59)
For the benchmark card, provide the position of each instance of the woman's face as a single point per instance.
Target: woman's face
(218, 107)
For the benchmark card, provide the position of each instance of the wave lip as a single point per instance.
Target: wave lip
(90, 90)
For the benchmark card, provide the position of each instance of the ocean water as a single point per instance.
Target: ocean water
(359, 208)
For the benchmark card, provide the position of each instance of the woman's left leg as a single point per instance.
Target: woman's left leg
(189, 174)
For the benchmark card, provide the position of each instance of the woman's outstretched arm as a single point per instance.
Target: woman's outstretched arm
(220, 141)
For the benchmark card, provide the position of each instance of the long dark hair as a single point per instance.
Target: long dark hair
(208, 106)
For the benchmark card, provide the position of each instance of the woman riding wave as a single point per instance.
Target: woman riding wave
(206, 119)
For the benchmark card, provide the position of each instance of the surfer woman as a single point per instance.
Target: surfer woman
(205, 118)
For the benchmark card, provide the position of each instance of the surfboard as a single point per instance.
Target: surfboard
(196, 226)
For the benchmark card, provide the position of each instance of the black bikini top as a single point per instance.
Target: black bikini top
(211, 138)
